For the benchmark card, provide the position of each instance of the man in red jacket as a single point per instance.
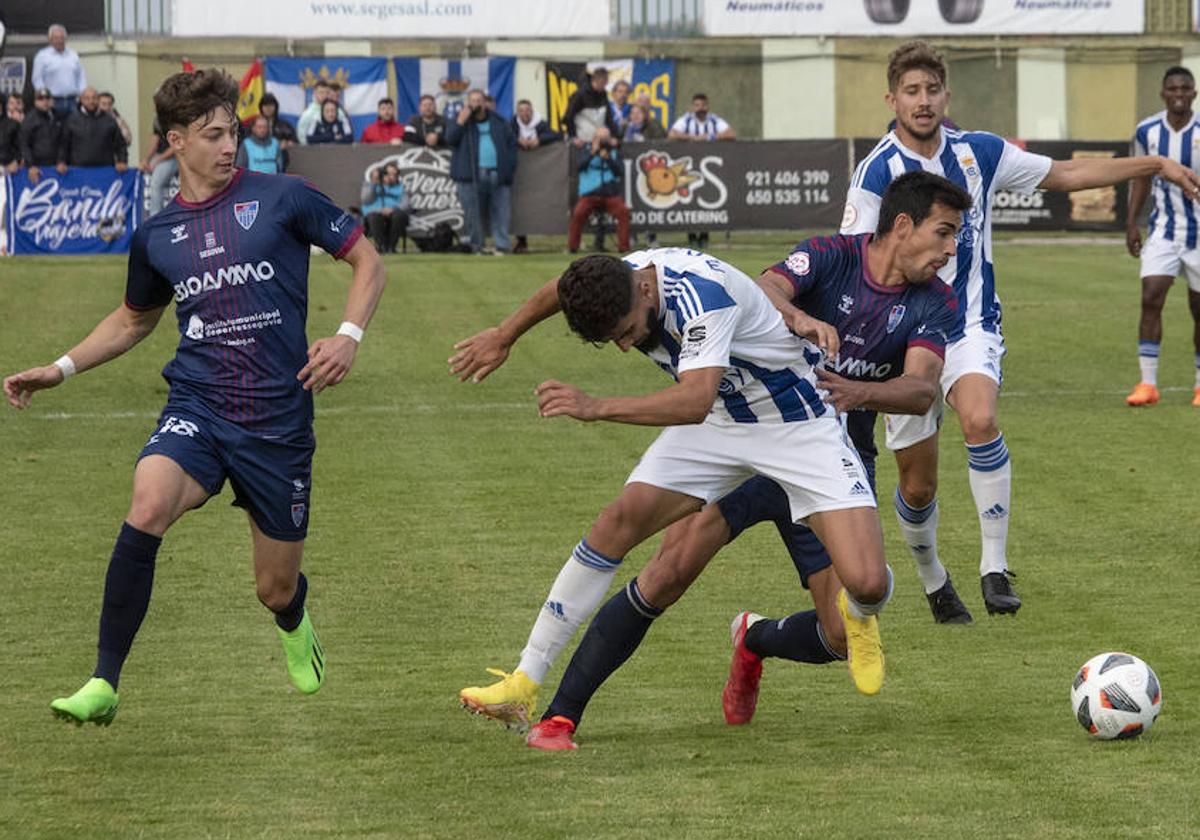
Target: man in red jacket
(385, 129)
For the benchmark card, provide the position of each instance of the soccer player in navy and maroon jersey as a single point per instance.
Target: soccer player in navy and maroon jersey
(232, 251)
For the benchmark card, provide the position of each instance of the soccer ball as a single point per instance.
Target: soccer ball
(1115, 696)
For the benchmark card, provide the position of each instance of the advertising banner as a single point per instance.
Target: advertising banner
(654, 77)
(892, 18)
(447, 80)
(765, 185)
(90, 210)
(410, 19)
(363, 82)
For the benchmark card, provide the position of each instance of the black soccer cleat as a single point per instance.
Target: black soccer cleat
(946, 606)
(998, 594)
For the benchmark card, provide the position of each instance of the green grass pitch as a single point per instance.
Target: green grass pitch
(442, 512)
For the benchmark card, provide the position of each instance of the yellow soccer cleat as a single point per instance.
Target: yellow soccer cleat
(510, 701)
(1142, 394)
(863, 648)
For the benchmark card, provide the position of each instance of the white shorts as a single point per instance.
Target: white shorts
(1161, 258)
(812, 460)
(976, 352)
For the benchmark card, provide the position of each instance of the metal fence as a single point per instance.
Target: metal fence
(645, 19)
(126, 18)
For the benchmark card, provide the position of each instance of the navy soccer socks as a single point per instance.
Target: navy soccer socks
(126, 596)
(289, 618)
(798, 637)
(614, 634)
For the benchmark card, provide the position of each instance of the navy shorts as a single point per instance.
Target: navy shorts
(271, 476)
(762, 500)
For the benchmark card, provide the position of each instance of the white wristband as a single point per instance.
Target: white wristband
(67, 366)
(352, 330)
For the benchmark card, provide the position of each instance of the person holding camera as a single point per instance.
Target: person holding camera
(600, 176)
(385, 207)
(482, 165)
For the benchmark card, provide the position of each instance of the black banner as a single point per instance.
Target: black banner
(562, 79)
(764, 185)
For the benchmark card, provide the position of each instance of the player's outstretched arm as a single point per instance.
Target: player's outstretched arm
(330, 359)
(116, 334)
(1085, 173)
(684, 403)
(912, 392)
(482, 353)
(779, 290)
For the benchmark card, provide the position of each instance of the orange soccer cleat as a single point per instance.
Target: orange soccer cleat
(1143, 394)
(1196, 398)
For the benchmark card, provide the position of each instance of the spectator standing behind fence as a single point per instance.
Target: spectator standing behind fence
(619, 105)
(259, 151)
(700, 124)
(57, 68)
(108, 105)
(587, 110)
(11, 118)
(641, 126)
(268, 106)
(385, 129)
(91, 137)
(323, 91)
(483, 163)
(600, 186)
(531, 131)
(329, 129)
(39, 135)
(427, 127)
(385, 208)
(160, 164)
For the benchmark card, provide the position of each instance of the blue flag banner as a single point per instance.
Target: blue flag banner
(657, 78)
(90, 210)
(363, 82)
(448, 80)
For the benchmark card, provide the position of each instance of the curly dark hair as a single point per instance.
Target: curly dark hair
(186, 97)
(915, 55)
(595, 293)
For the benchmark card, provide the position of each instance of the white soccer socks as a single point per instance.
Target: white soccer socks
(990, 475)
(919, 527)
(576, 593)
(863, 611)
(1148, 361)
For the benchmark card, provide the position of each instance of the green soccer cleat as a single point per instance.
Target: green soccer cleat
(95, 702)
(305, 657)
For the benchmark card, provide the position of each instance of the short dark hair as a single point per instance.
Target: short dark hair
(914, 194)
(387, 100)
(596, 292)
(268, 99)
(696, 96)
(428, 96)
(105, 93)
(1177, 71)
(915, 55)
(325, 83)
(524, 102)
(186, 97)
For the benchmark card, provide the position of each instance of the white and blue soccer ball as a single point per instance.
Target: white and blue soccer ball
(1115, 696)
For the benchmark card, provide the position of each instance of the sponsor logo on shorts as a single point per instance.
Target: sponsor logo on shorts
(175, 426)
(859, 489)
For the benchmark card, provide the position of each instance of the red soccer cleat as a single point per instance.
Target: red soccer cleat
(740, 697)
(552, 734)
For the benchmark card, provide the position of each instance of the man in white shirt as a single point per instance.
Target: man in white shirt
(700, 124)
(58, 68)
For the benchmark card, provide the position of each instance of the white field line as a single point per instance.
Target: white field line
(529, 407)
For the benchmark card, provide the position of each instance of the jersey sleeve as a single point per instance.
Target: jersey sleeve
(318, 221)
(705, 340)
(1138, 146)
(861, 213)
(942, 324)
(806, 265)
(145, 287)
(1020, 170)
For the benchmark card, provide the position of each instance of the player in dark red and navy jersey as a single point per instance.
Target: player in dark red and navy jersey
(232, 252)
(871, 304)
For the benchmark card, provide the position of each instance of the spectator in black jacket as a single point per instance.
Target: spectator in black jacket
(427, 127)
(11, 117)
(90, 137)
(588, 109)
(281, 129)
(483, 164)
(330, 128)
(531, 131)
(39, 135)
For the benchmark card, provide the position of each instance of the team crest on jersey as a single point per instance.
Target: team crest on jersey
(895, 317)
(298, 514)
(798, 263)
(245, 212)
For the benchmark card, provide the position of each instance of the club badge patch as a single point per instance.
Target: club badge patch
(895, 317)
(298, 514)
(245, 212)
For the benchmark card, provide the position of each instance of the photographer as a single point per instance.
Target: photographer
(600, 176)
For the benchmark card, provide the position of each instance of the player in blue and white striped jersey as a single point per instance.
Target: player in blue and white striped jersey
(1171, 247)
(981, 163)
(744, 402)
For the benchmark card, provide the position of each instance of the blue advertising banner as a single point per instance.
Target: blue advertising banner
(90, 210)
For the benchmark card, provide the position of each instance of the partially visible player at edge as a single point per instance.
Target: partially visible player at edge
(981, 163)
(1171, 247)
(233, 251)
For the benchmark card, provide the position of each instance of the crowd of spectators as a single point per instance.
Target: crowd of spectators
(72, 124)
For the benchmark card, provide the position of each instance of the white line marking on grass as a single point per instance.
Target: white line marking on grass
(409, 408)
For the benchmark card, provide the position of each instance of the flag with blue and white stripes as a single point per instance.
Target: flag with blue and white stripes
(448, 80)
(363, 82)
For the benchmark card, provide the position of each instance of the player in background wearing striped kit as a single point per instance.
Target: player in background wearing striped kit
(981, 163)
(1170, 249)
